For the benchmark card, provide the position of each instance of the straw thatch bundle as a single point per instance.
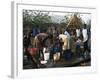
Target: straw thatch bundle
(74, 22)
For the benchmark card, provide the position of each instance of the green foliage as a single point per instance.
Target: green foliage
(35, 18)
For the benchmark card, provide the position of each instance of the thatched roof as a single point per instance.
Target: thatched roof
(74, 22)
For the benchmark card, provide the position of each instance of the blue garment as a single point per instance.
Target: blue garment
(78, 46)
(56, 48)
(35, 32)
(67, 54)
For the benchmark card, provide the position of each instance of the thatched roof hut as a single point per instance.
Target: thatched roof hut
(74, 22)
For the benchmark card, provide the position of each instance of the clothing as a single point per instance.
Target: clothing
(78, 43)
(86, 46)
(34, 32)
(67, 54)
(78, 32)
(26, 42)
(31, 58)
(66, 44)
(56, 48)
(78, 47)
(68, 35)
(85, 35)
(85, 40)
(66, 41)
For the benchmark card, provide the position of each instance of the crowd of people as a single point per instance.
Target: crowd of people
(60, 44)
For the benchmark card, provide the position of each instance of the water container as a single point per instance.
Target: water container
(46, 56)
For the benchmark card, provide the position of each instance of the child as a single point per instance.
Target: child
(56, 50)
(79, 46)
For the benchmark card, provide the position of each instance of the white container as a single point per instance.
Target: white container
(43, 62)
(46, 56)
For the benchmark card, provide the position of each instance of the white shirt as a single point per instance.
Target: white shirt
(68, 35)
(78, 32)
(85, 35)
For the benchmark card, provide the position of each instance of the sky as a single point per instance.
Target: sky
(57, 16)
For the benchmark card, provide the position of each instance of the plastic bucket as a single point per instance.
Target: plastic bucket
(46, 56)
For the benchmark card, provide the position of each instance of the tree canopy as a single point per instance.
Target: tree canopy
(35, 18)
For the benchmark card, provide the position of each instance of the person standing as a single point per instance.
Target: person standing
(35, 32)
(78, 32)
(85, 39)
(67, 33)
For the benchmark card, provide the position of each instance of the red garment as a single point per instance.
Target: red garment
(32, 51)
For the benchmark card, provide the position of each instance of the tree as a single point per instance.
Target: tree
(35, 18)
(27, 18)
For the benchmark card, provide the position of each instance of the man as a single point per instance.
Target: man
(85, 39)
(35, 32)
(66, 33)
(78, 32)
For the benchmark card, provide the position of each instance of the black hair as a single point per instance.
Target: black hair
(84, 26)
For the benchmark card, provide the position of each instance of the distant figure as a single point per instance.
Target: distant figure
(56, 50)
(72, 42)
(26, 41)
(30, 58)
(78, 32)
(84, 33)
(66, 33)
(40, 48)
(35, 32)
(65, 40)
(79, 46)
(85, 39)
